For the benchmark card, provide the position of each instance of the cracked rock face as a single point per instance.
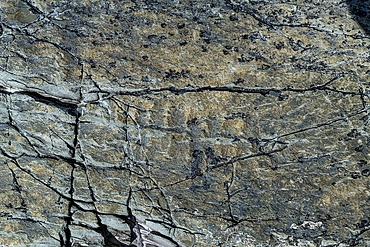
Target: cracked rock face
(184, 123)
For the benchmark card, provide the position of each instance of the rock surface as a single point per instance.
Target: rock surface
(184, 123)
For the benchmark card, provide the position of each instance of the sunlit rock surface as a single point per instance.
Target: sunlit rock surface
(184, 123)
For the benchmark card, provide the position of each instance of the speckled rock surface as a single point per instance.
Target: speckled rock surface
(184, 123)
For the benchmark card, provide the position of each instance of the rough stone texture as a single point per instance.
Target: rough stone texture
(184, 123)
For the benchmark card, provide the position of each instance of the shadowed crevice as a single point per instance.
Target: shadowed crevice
(361, 13)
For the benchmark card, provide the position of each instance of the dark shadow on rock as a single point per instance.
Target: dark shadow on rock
(361, 13)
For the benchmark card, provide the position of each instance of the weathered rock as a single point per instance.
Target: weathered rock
(184, 123)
